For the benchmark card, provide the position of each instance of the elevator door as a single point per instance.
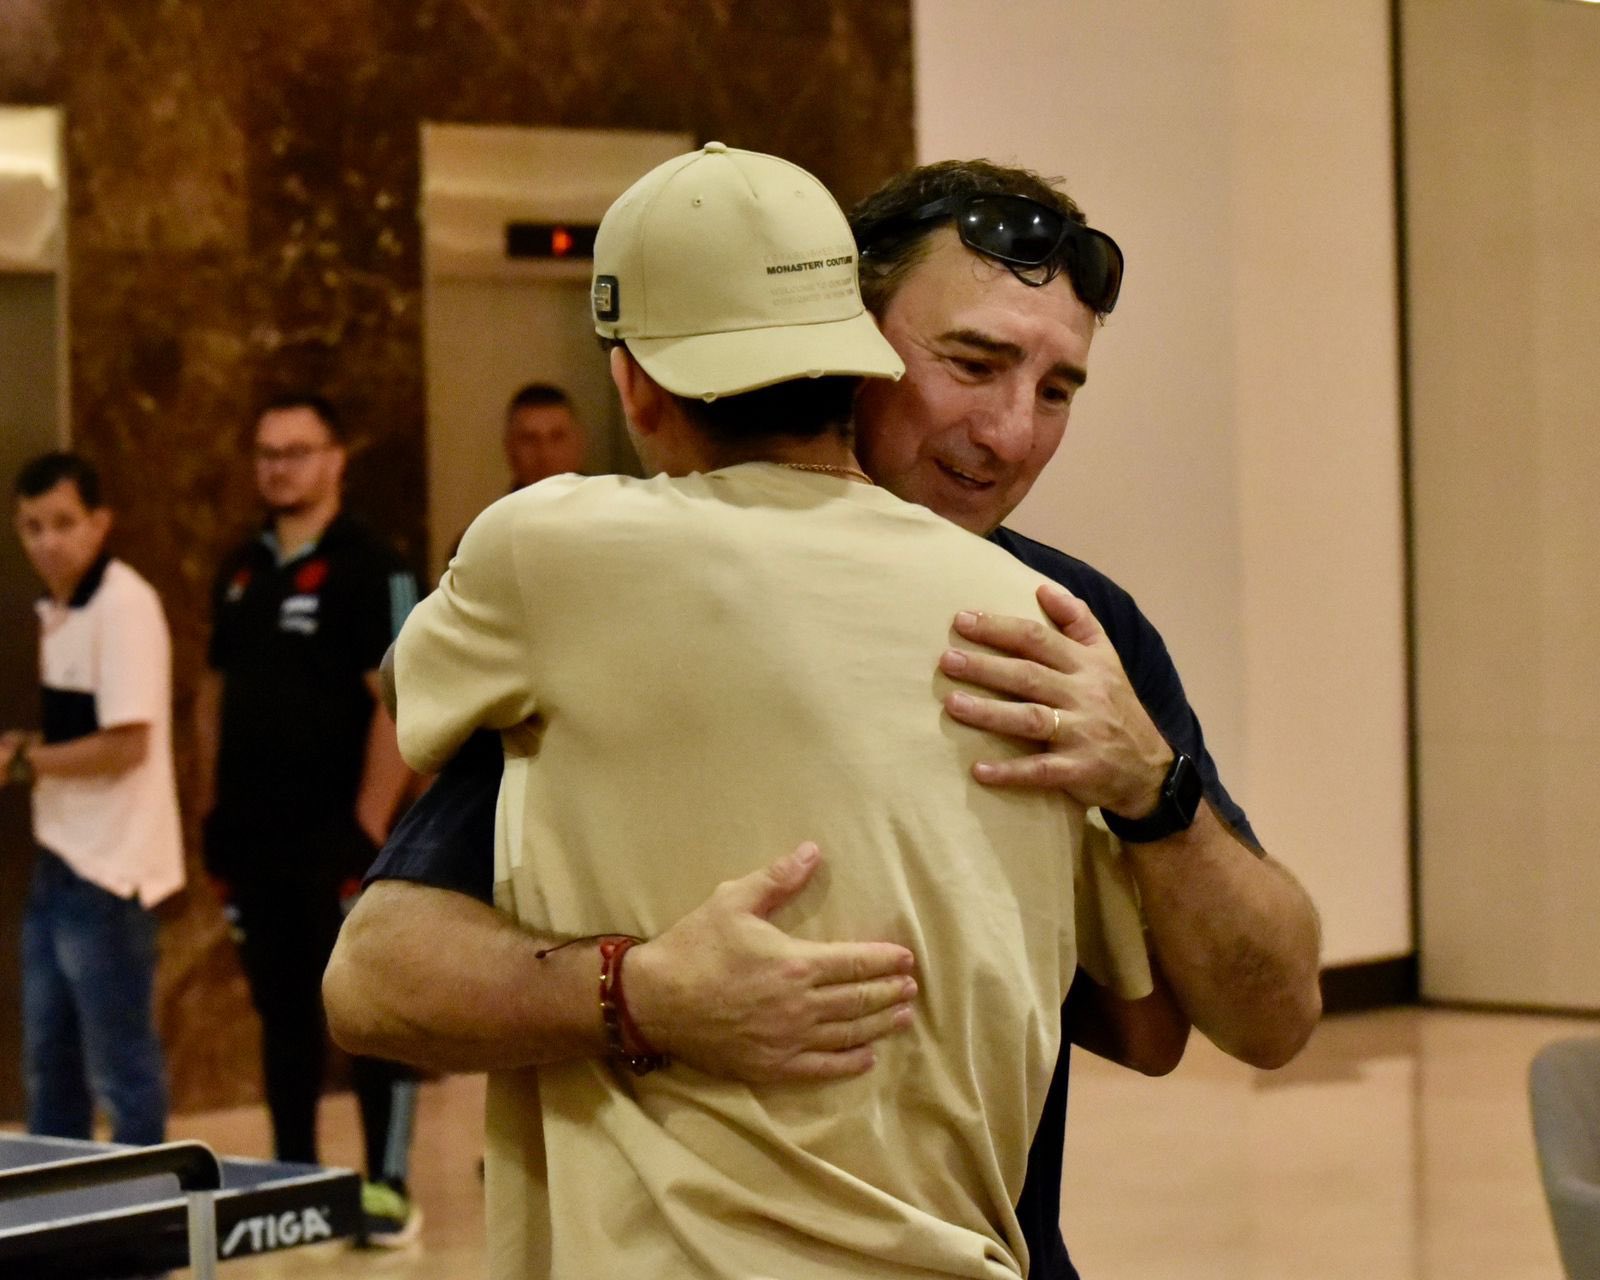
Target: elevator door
(31, 418)
(28, 426)
(495, 322)
(486, 338)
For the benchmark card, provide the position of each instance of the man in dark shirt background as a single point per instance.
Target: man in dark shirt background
(302, 775)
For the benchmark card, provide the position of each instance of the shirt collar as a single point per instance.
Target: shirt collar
(328, 538)
(90, 582)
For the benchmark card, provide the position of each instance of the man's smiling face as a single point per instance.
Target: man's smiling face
(992, 365)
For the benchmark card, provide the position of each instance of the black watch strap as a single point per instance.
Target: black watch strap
(1174, 812)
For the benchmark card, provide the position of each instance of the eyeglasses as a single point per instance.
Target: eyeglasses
(1035, 241)
(293, 454)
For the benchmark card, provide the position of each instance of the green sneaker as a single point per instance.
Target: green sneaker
(388, 1219)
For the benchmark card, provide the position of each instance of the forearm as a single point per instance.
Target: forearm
(384, 776)
(1237, 938)
(1147, 1035)
(102, 754)
(438, 979)
(482, 1001)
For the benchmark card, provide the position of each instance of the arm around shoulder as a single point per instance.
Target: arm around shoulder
(723, 990)
(484, 1002)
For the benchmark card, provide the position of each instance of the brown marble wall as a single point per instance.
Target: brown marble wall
(243, 185)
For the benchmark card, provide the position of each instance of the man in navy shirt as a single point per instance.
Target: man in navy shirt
(968, 268)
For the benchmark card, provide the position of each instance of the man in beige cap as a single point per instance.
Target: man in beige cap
(737, 654)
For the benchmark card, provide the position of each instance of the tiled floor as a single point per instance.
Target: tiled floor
(1397, 1147)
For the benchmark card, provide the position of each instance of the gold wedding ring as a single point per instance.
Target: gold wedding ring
(1055, 724)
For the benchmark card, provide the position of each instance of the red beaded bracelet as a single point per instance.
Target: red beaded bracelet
(621, 1030)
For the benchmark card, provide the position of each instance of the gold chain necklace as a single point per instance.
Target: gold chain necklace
(849, 473)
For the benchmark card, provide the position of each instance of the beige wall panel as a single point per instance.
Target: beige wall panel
(1502, 100)
(1126, 102)
(1234, 460)
(1317, 422)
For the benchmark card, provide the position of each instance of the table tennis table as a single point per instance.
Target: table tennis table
(140, 1222)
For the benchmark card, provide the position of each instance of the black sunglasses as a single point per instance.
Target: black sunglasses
(1032, 239)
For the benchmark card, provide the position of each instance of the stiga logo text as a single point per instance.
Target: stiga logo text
(271, 1231)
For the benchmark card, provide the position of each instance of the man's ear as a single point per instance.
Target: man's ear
(100, 520)
(642, 399)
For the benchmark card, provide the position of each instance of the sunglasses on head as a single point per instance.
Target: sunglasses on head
(1032, 239)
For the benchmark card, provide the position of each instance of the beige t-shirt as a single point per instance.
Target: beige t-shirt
(694, 675)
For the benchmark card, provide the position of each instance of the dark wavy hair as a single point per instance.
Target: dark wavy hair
(889, 251)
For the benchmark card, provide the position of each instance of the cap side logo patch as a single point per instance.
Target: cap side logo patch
(603, 297)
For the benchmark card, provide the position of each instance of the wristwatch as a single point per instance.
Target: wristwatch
(1174, 812)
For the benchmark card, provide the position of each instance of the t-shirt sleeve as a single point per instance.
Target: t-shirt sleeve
(462, 660)
(135, 661)
(1110, 928)
(446, 839)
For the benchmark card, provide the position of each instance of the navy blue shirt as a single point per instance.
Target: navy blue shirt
(446, 841)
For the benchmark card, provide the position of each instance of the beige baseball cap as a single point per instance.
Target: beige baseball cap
(727, 270)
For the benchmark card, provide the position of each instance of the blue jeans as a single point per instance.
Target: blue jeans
(88, 970)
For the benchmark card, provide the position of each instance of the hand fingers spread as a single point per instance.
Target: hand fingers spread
(857, 1032)
(807, 1067)
(763, 892)
(1071, 614)
(1030, 720)
(1047, 771)
(1025, 637)
(847, 1001)
(1016, 676)
(846, 962)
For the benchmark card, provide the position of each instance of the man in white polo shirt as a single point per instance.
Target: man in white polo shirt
(105, 817)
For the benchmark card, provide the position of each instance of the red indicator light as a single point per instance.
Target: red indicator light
(560, 242)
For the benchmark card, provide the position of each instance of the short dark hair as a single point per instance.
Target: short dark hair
(800, 409)
(320, 405)
(40, 475)
(537, 395)
(888, 253)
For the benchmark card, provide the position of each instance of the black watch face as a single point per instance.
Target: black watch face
(1184, 788)
(1181, 792)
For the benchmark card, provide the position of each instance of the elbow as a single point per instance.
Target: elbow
(1279, 1043)
(1162, 1056)
(344, 1022)
(345, 1000)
